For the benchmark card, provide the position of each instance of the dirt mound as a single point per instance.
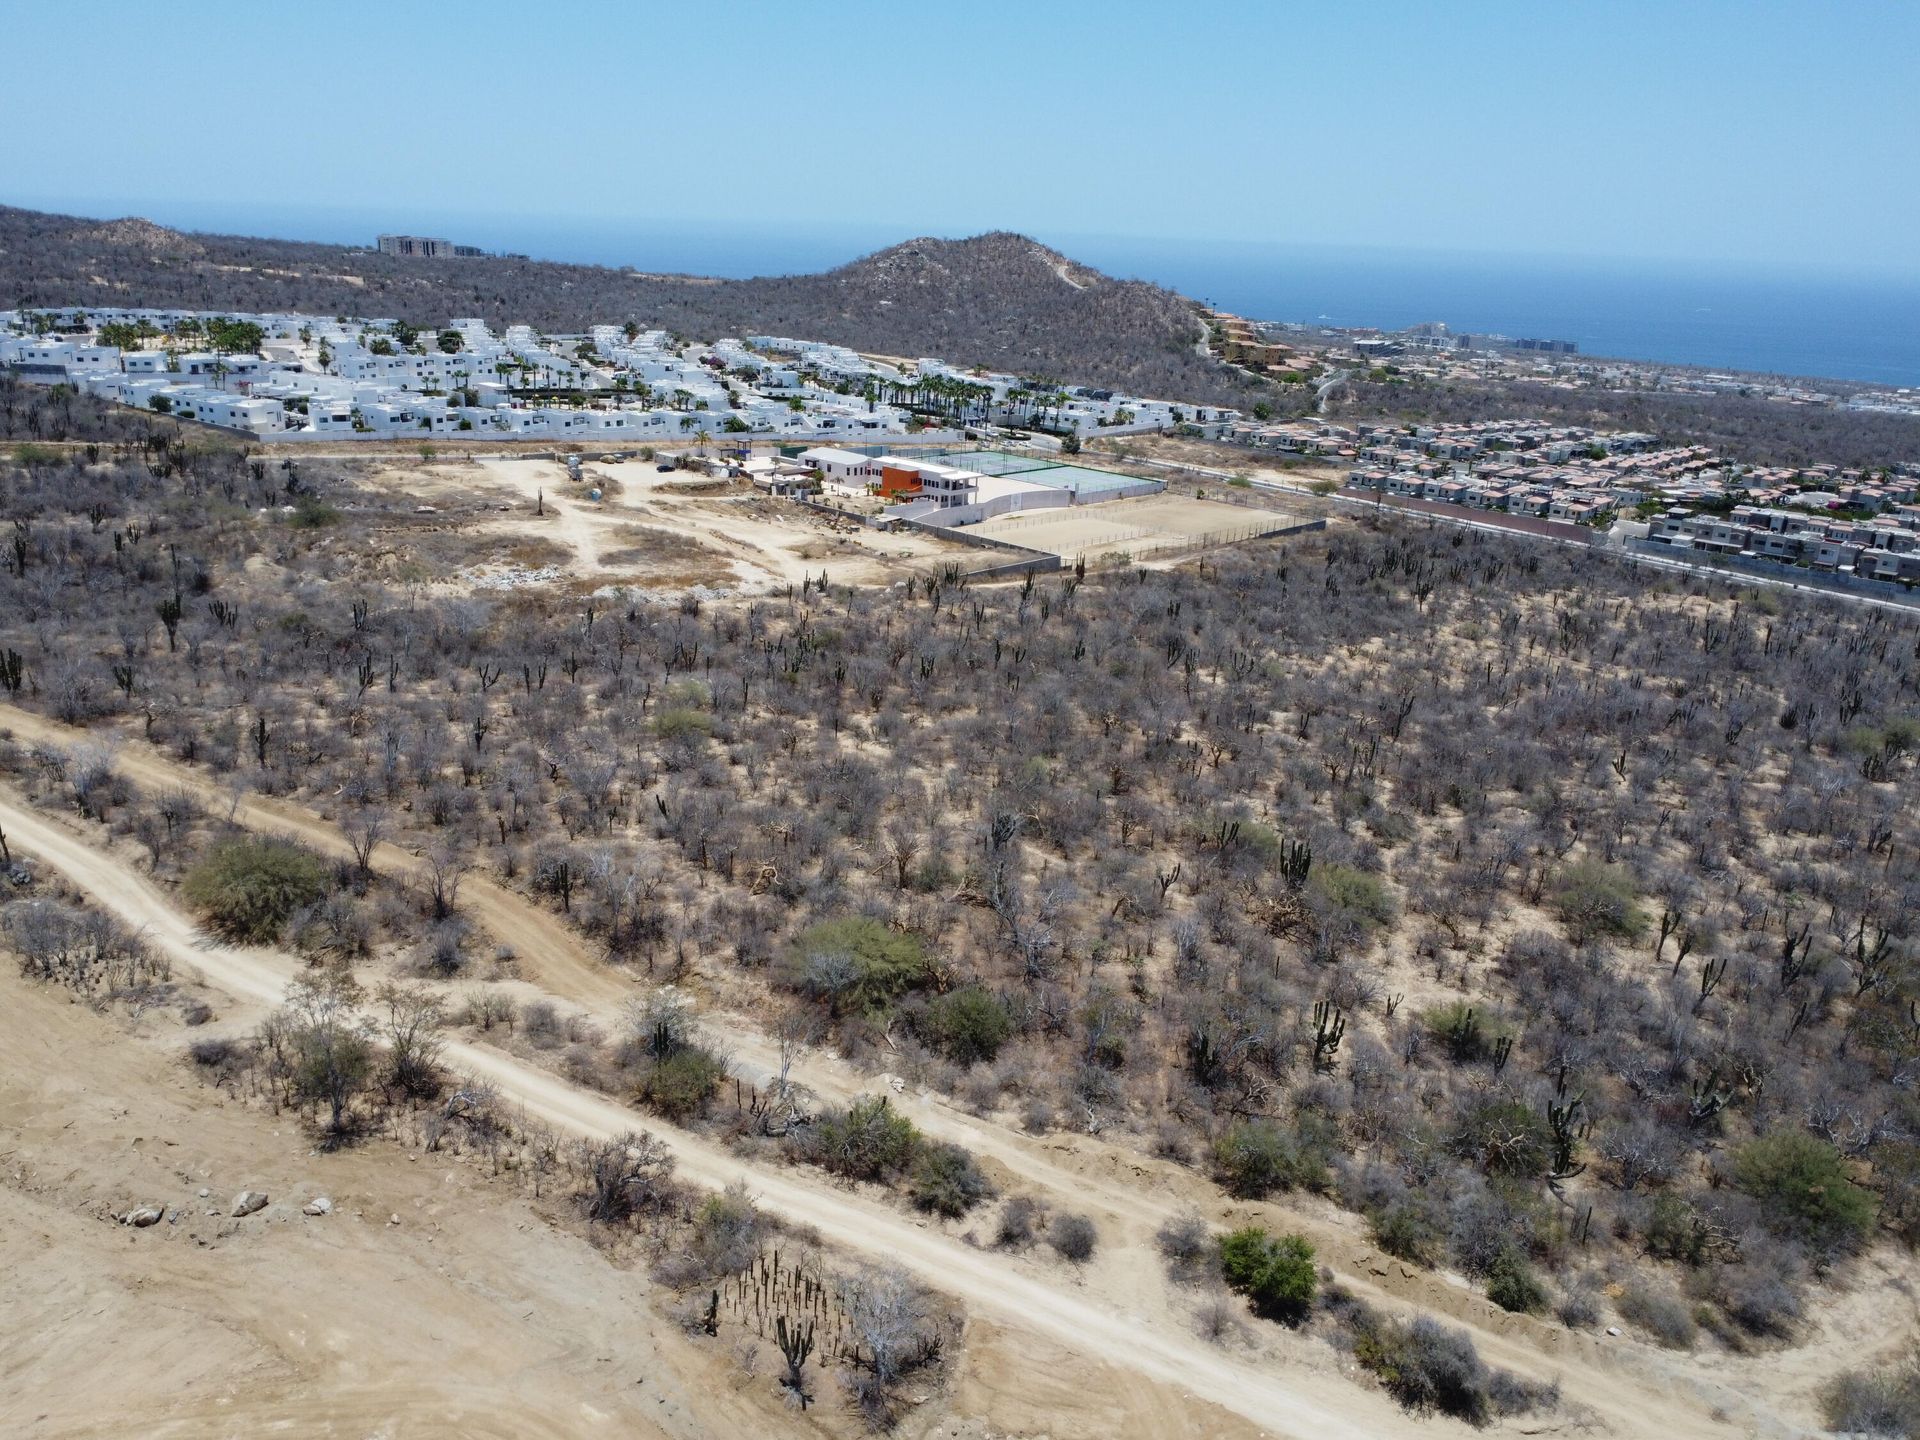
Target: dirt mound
(134, 233)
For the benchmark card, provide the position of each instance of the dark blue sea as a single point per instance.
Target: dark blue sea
(1804, 322)
(1808, 321)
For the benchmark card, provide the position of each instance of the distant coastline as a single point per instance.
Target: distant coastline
(1857, 329)
(1862, 330)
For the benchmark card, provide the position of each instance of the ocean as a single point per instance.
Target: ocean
(1803, 322)
(1729, 317)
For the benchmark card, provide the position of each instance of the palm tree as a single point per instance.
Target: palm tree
(703, 438)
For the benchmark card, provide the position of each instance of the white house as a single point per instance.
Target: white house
(849, 467)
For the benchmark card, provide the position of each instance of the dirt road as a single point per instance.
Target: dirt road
(548, 953)
(985, 1283)
(1129, 1194)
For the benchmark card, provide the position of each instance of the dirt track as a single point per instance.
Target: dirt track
(1130, 1318)
(846, 1220)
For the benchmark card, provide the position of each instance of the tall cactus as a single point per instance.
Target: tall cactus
(1296, 860)
(1707, 1098)
(1329, 1026)
(796, 1344)
(1563, 1118)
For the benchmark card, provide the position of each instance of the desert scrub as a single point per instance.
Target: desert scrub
(857, 964)
(1595, 900)
(1073, 1237)
(1662, 1315)
(248, 888)
(1256, 1157)
(1429, 1367)
(1803, 1190)
(946, 1180)
(1275, 1272)
(965, 1025)
(1879, 1402)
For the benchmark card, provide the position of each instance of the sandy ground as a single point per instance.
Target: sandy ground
(1635, 1388)
(1141, 527)
(725, 540)
(1227, 459)
(470, 1317)
(993, 1286)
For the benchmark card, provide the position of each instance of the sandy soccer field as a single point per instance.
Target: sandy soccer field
(1161, 526)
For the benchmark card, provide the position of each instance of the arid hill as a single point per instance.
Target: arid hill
(998, 300)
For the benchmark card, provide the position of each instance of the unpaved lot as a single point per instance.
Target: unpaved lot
(651, 526)
(1154, 525)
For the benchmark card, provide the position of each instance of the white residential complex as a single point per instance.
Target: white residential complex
(319, 377)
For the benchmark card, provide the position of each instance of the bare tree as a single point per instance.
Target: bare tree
(414, 1019)
(444, 867)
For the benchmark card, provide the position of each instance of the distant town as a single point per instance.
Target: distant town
(307, 377)
(1436, 352)
(297, 378)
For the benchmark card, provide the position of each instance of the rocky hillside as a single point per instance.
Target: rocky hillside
(998, 300)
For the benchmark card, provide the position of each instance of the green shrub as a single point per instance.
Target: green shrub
(1275, 1273)
(1358, 892)
(946, 1181)
(247, 888)
(1256, 837)
(1803, 1190)
(1406, 1230)
(1593, 899)
(1512, 1285)
(311, 513)
(1256, 1157)
(869, 1140)
(679, 1085)
(680, 722)
(1676, 1230)
(857, 963)
(932, 874)
(965, 1025)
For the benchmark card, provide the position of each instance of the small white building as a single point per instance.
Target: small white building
(848, 467)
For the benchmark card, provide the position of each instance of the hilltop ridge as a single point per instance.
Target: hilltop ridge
(997, 300)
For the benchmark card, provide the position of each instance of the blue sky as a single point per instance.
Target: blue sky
(1749, 133)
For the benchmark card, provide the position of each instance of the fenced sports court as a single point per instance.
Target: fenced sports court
(1160, 527)
(1086, 483)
